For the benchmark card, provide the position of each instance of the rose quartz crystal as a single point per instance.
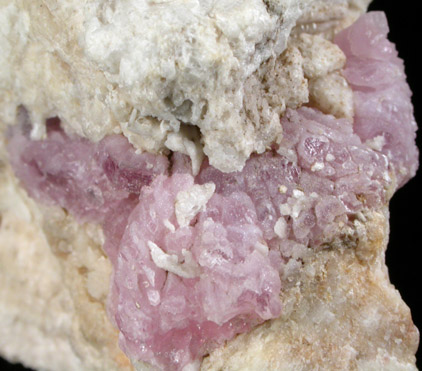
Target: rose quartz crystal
(227, 284)
(383, 109)
(88, 179)
(179, 291)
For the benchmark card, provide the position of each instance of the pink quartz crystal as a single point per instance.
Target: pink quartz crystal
(383, 109)
(227, 286)
(230, 263)
(88, 179)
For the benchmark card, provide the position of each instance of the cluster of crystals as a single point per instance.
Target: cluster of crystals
(217, 284)
(383, 108)
(200, 259)
(319, 176)
(87, 179)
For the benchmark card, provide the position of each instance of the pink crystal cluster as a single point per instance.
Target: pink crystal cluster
(233, 257)
(87, 179)
(231, 285)
(383, 108)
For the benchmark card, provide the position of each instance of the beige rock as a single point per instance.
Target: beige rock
(332, 94)
(54, 282)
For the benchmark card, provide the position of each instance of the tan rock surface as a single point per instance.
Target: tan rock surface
(340, 313)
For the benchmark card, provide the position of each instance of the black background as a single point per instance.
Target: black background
(406, 206)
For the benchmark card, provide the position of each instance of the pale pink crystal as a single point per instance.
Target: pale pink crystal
(90, 180)
(310, 180)
(383, 109)
(175, 318)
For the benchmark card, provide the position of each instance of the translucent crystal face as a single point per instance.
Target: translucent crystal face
(199, 259)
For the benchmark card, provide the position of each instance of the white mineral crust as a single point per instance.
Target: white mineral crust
(145, 68)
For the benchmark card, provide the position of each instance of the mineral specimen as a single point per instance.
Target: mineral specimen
(206, 254)
(202, 259)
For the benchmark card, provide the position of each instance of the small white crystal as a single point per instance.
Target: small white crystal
(190, 202)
